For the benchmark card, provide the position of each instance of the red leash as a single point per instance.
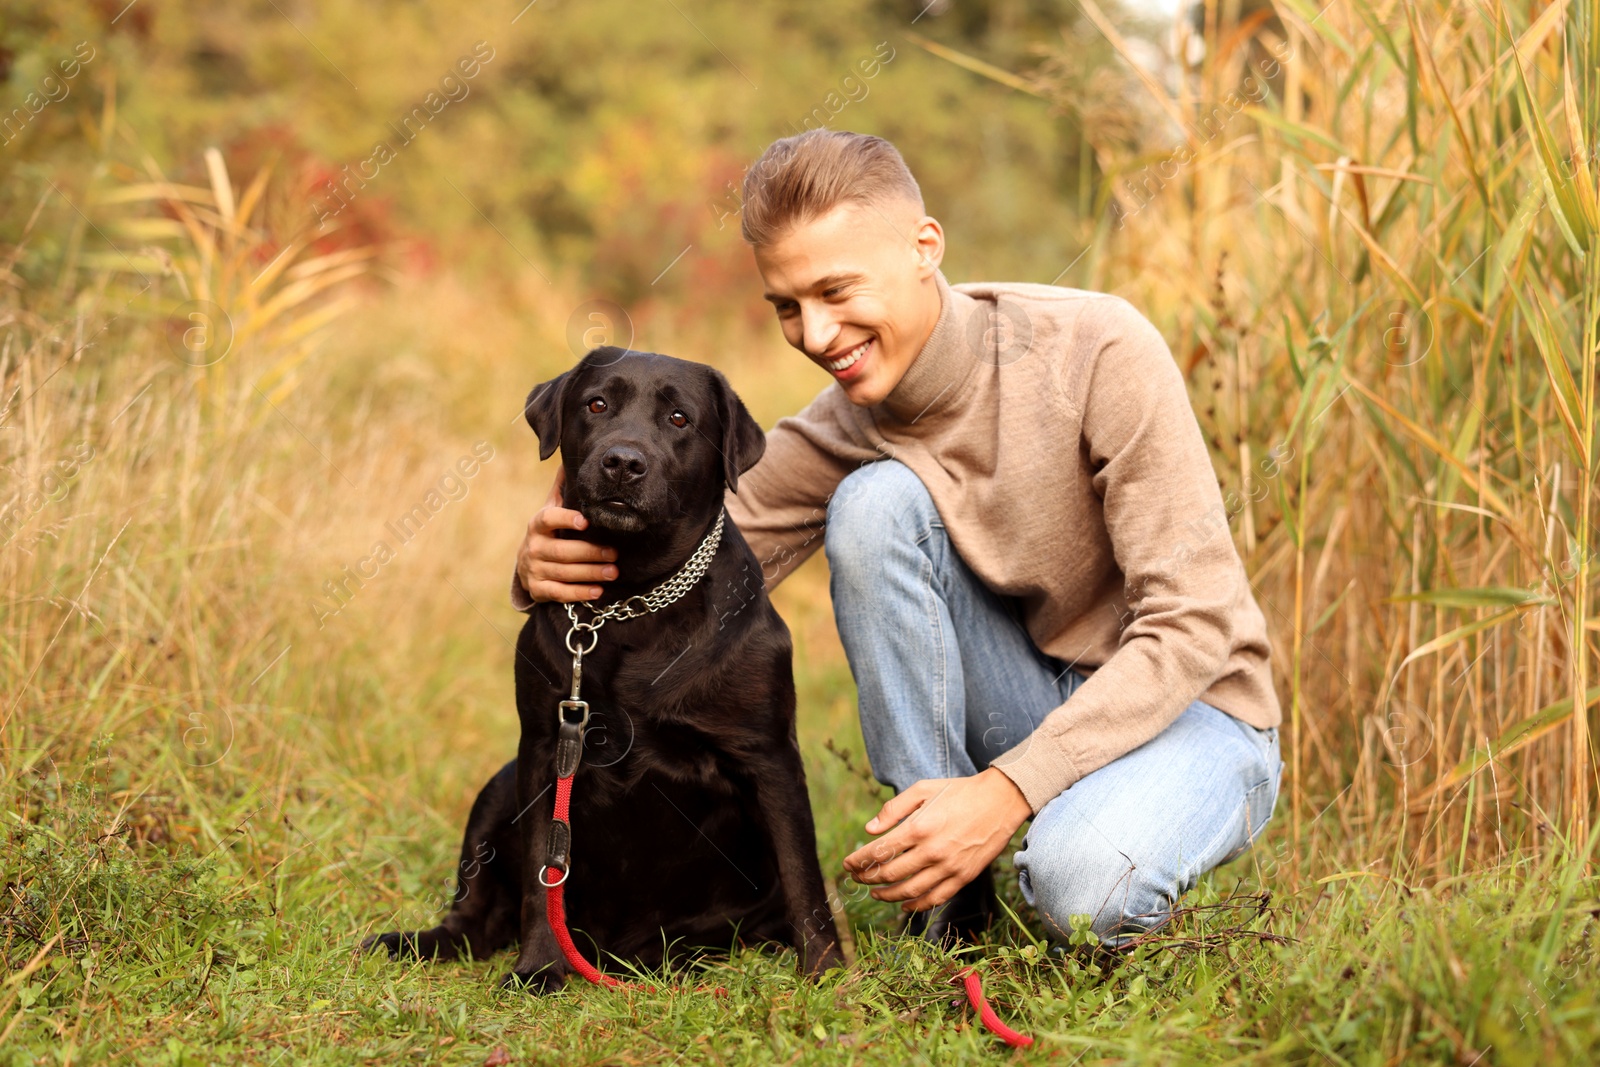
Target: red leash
(555, 879)
(555, 882)
(569, 752)
(569, 747)
(969, 978)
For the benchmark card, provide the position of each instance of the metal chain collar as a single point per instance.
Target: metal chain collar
(631, 608)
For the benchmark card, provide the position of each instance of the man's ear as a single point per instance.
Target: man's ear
(743, 442)
(544, 409)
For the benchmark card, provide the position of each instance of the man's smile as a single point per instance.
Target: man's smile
(844, 364)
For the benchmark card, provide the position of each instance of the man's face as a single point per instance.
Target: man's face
(855, 291)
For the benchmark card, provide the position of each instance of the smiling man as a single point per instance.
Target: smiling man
(1031, 567)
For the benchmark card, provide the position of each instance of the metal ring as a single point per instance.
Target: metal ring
(629, 602)
(552, 885)
(594, 639)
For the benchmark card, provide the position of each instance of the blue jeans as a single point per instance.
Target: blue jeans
(948, 679)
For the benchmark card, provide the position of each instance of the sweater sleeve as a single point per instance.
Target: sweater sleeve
(1169, 535)
(782, 502)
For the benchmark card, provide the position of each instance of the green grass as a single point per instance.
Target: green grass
(125, 948)
(208, 796)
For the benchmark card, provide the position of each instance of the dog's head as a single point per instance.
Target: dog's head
(647, 440)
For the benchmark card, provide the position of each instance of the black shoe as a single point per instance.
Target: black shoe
(964, 917)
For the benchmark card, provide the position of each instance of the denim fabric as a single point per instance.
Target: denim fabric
(948, 679)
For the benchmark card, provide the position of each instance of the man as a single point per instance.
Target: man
(1031, 567)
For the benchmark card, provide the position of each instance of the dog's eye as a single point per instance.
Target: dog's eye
(597, 406)
(678, 418)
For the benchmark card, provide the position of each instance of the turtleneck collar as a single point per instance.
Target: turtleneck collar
(931, 384)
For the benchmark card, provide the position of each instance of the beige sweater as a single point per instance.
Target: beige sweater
(1054, 433)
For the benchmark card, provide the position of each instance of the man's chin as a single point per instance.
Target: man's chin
(864, 393)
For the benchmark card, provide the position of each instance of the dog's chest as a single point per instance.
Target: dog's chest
(629, 760)
(664, 706)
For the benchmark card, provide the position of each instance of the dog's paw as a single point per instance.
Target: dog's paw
(546, 979)
(820, 958)
(394, 942)
(435, 944)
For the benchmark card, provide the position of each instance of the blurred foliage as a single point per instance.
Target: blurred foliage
(599, 141)
(1383, 259)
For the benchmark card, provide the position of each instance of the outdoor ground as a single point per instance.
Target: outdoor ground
(239, 946)
(243, 713)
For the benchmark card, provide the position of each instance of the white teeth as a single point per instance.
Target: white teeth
(849, 358)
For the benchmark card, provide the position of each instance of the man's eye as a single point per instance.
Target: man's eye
(678, 418)
(597, 406)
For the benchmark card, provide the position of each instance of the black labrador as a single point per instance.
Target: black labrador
(691, 829)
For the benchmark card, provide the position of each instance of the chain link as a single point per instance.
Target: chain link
(658, 598)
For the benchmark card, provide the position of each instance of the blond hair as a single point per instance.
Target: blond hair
(802, 177)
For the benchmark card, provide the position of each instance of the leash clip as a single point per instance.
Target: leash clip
(581, 706)
(573, 703)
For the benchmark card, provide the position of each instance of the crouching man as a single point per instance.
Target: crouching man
(1031, 566)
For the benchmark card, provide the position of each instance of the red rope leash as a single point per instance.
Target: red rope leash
(556, 914)
(974, 985)
(555, 880)
(555, 885)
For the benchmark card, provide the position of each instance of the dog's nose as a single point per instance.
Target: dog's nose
(624, 464)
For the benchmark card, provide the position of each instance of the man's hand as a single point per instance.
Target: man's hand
(553, 568)
(941, 833)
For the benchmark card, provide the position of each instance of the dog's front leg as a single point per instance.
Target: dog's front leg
(786, 808)
(539, 963)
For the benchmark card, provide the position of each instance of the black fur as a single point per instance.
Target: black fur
(691, 827)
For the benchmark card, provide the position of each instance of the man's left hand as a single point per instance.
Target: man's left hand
(937, 836)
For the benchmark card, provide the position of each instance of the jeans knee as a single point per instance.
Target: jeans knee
(1121, 896)
(874, 506)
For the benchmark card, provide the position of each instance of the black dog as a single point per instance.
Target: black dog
(690, 823)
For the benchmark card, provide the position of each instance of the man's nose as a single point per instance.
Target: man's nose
(624, 464)
(818, 330)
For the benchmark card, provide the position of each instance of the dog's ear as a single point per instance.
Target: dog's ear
(544, 409)
(743, 442)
